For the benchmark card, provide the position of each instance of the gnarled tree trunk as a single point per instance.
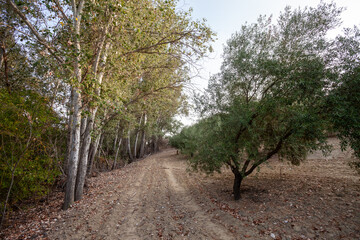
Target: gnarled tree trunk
(237, 184)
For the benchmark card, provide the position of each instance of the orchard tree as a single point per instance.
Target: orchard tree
(269, 98)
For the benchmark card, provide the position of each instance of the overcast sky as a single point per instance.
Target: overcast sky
(226, 17)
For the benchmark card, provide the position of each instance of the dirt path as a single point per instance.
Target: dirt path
(156, 198)
(151, 199)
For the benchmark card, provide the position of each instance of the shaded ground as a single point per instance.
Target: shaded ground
(158, 199)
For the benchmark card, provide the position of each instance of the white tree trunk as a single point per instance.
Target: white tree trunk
(73, 160)
(137, 137)
(143, 139)
(118, 150)
(74, 151)
(90, 124)
(116, 136)
(93, 154)
(84, 122)
(81, 175)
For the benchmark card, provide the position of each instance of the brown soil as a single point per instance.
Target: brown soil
(157, 198)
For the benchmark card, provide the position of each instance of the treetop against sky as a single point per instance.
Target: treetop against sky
(226, 17)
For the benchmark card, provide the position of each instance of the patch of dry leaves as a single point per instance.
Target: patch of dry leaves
(36, 222)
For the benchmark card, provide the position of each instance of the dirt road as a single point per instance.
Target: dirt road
(157, 198)
(150, 199)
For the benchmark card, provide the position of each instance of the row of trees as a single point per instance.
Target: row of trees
(282, 89)
(81, 79)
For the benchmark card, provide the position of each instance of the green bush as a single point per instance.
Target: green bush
(26, 152)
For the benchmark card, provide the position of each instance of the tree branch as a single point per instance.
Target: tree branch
(61, 10)
(271, 153)
(40, 39)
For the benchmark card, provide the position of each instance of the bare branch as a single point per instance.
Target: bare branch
(61, 10)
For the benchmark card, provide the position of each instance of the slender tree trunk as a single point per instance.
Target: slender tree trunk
(116, 137)
(6, 67)
(158, 141)
(117, 151)
(136, 138)
(91, 154)
(135, 144)
(131, 158)
(142, 144)
(154, 146)
(100, 144)
(2, 48)
(94, 149)
(69, 142)
(143, 140)
(98, 151)
(9, 190)
(84, 122)
(81, 175)
(73, 160)
(83, 126)
(125, 147)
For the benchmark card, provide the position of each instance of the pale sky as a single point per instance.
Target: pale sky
(225, 17)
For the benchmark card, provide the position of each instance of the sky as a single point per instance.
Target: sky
(225, 17)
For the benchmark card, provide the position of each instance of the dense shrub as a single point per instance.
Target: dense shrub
(27, 156)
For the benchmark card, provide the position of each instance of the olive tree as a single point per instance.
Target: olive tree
(269, 98)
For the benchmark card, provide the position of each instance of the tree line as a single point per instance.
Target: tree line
(282, 89)
(87, 83)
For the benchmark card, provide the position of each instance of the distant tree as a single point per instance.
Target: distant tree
(269, 98)
(185, 141)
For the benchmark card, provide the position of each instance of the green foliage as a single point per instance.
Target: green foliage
(345, 110)
(272, 95)
(344, 99)
(26, 124)
(185, 140)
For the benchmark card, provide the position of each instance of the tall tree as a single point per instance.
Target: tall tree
(103, 49)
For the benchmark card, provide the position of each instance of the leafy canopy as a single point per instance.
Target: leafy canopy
(272, 94)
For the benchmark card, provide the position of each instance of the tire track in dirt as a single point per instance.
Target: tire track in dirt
(151, 199)
(213, 220)
(122, 220)
(204, 220)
